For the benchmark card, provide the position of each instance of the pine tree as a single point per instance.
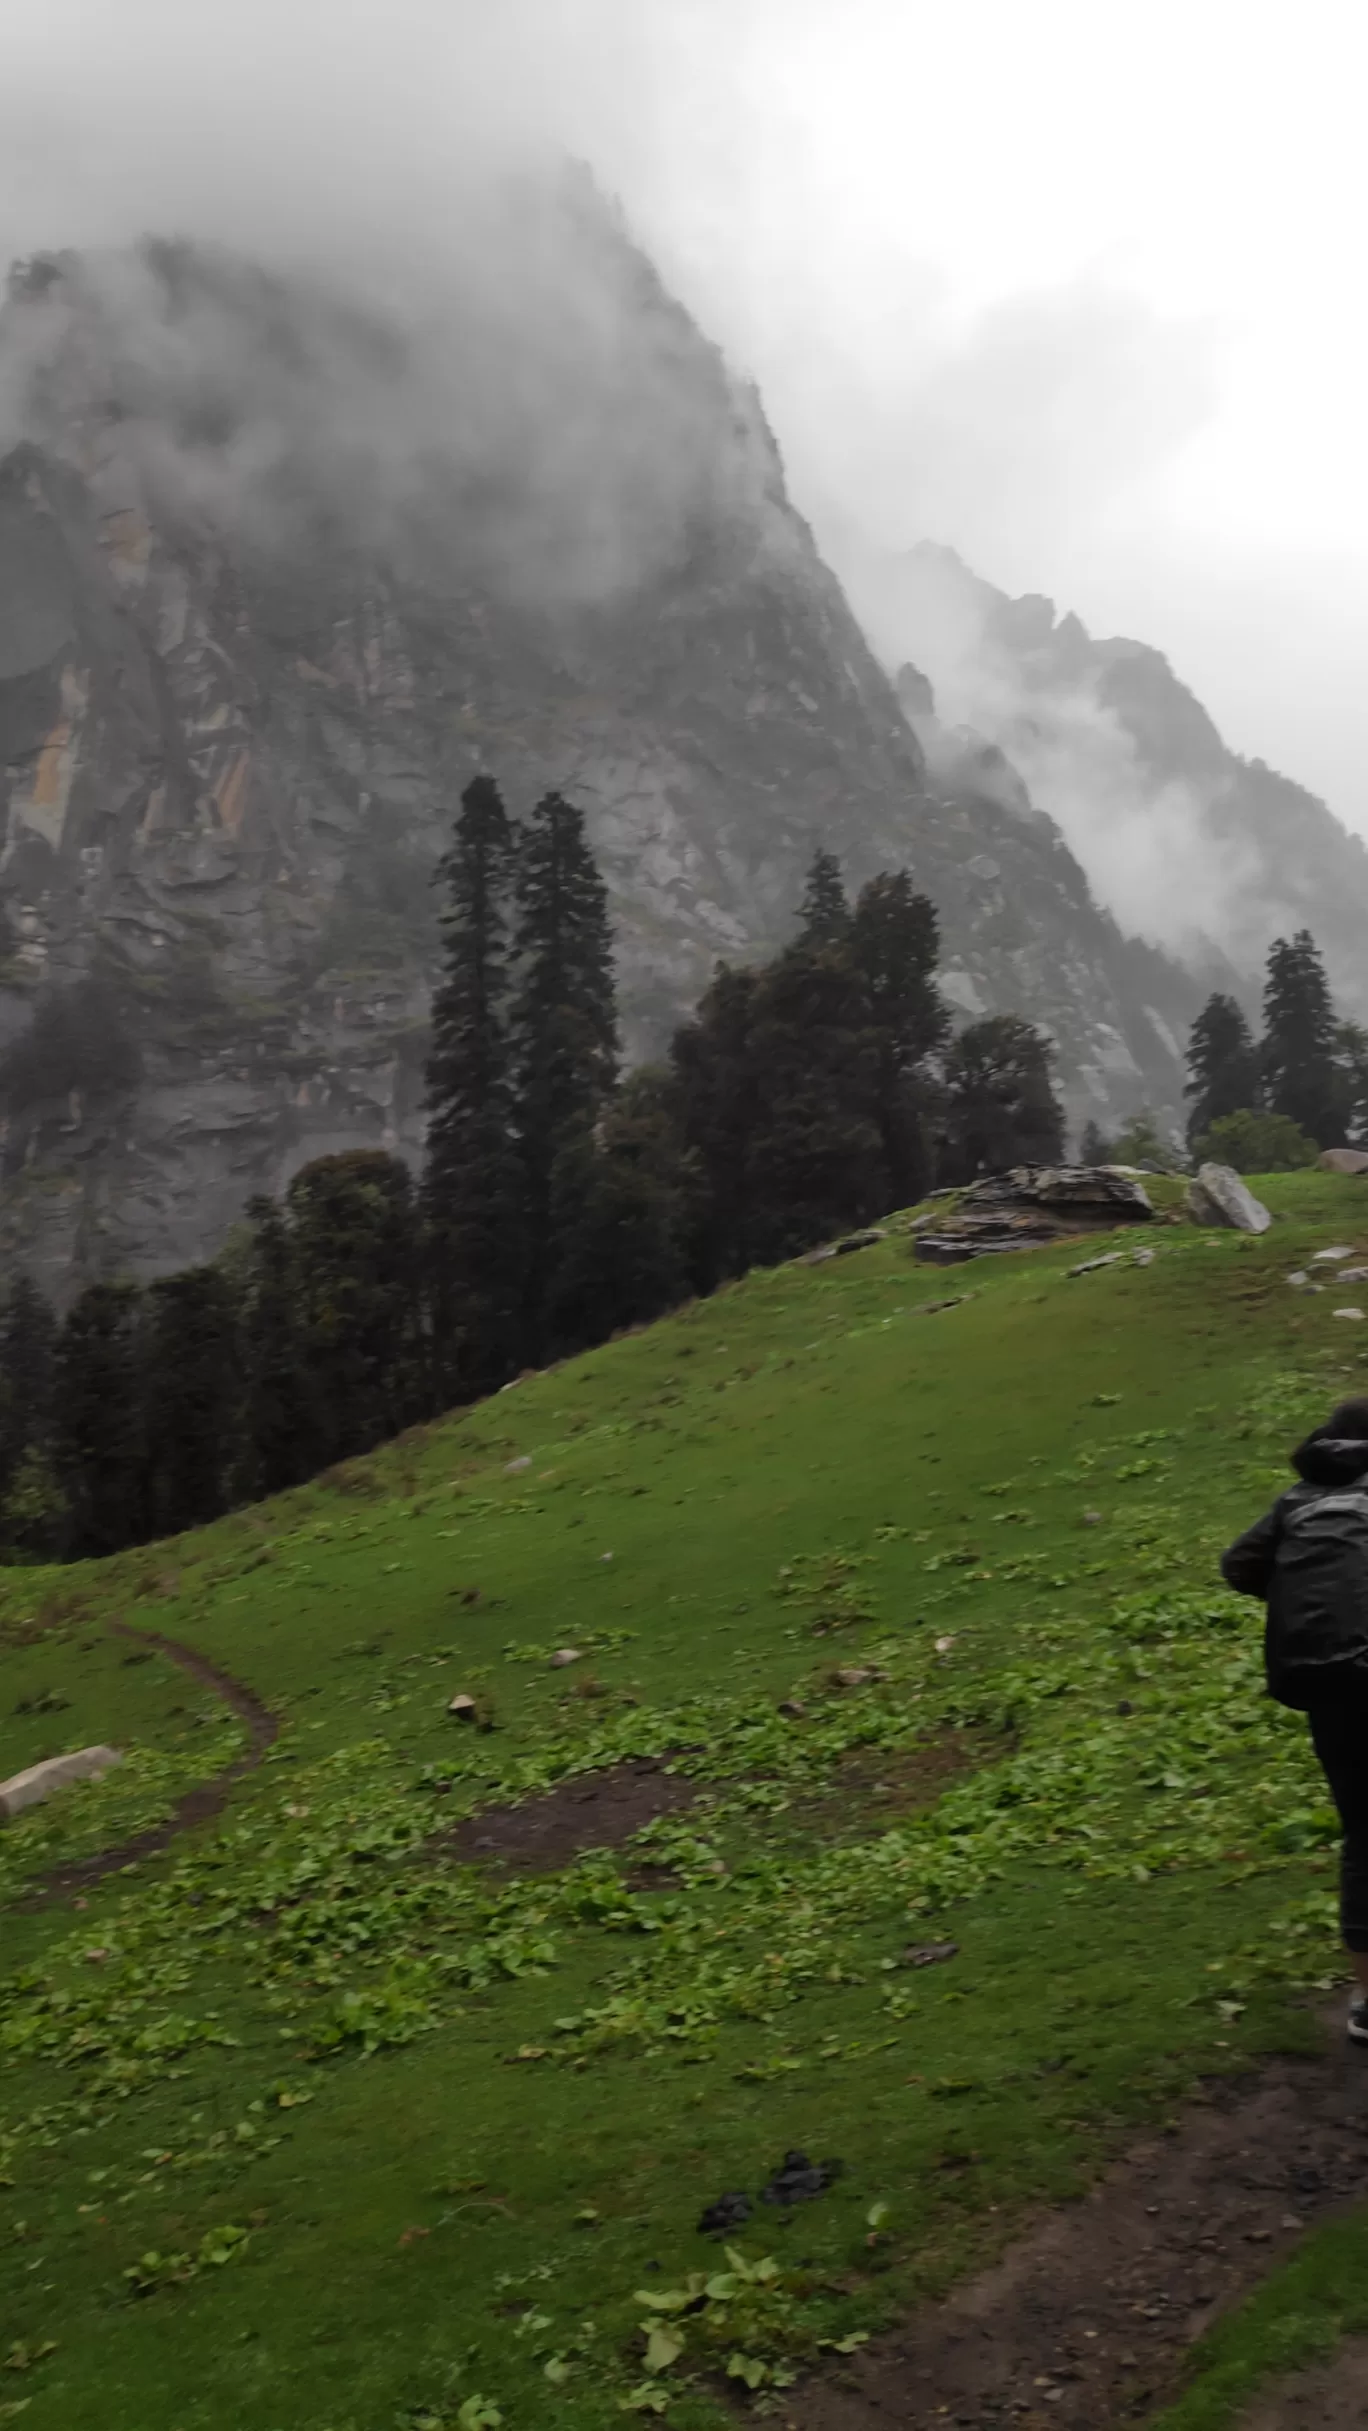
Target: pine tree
(893, 942)
(28, 1340)
(624, 1196)
(816, 1162)
(356, 1248)
(1298, 1053)
(192, 1398)
(98, 1419)
(564, 1027)
(1223, 1064)
(1001, 1109)
(1094, 1148)
(284, 1435)
(824, 913)
(473, 1183)
(718, 1100)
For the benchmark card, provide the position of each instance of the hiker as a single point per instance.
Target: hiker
(1308, 1557)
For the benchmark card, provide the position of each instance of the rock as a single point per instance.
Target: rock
(798, 2180)
(564, 1655)
(867, 1239)
(791, 1710)
(1030, 1206)
(1217, 1195)
(55, 1772)
(1142, 1257)
(729, 2211)
(817, 1257)
(465, 1709)
(1330, 1257)
(1091, 1265)
(943, 1645)
(1342, 1160)
(930, 1953)
(1348, 1312)
(1092, 1519)
(1353, 1274)
(1299, 1279)
(857, 1675)
(514, 1468)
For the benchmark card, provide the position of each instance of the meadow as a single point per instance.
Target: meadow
(893, 1599)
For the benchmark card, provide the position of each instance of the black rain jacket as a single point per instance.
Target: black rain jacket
(1309, 1557)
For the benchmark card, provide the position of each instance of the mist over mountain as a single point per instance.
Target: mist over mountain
(282, 564)
(1204, 853)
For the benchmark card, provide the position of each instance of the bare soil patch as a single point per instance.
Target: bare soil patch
(1086, 2321)
(1334, 2397)
(875, 1785)
(596, 1810)
(200, 1804)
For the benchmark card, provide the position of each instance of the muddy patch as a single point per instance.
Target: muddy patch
(875, 1786)
(199, 1805)
(1086, 2322)
(1333, 2397)
(597, 1810)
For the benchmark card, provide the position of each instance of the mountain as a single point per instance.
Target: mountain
(1204, 852)
(282, 565)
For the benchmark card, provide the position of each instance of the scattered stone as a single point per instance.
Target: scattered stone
(55, 1772)
(858, 1675)
(605, 1557)
(816, 1257)
(514, 1468)
(1091, 1265)
(1217, 1195)
(798, 2180)
(1142, 1257)
(1331, 1257)
(464, 1708)
(564, 1655)
(1092, 1519)
(872, 1234)
(943, 1645)
(791, 1710)
(933, 1308)
(1353, 1274)
(729, 2211)
(1299, 1280)
(1342, 1160)
(1348, 1312)
(929, 1953)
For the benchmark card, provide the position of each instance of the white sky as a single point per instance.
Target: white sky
(1075, 285)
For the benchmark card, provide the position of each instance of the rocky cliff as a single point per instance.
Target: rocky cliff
(279, 572)
(1209, 853)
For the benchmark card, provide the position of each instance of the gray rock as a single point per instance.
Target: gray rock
(1216, 1195)
(55, 1772)
(1343, 1160)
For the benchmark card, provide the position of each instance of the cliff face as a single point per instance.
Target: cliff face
(1211, 853)
(278, 575)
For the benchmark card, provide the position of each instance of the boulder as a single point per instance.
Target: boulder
(56, 1772)
(1030, 1206)
(1342, 1160)
(1217, 1195)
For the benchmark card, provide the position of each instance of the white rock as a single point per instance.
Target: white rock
(1299, 1279)
(1090, 1265)
(1353, 1274)
(514, 1468)
(1328, 1257)
(1216, 1195)
(566, 1654)
(40, 1780)
(1347, 1312)
(1142, 1257)
(464, 1708)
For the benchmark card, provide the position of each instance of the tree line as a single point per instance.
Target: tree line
(1270, 1103)
(560, 1200)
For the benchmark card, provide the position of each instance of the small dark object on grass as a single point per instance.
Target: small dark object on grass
(799, 2179)
(930, 1953)
(727, 2212)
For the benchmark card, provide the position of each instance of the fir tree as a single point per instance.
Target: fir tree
(893, 943)
(815, 1157)
(28, 1340)
(624, 1200)
(284, 1435)
(1094, 1148)
(718, 1101)
(824, 913)
(473, 1183)
(1223, 1064)
(1001, 1108)
(564, 1027)
(1301, 1079)
(98, 1419)
(192, 1398)
(356, 1248)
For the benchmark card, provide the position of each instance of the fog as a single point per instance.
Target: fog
(1071, 290)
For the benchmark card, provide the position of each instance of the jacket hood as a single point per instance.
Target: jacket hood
(1331, 1460)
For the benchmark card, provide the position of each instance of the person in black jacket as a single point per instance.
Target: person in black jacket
(1308, 1557)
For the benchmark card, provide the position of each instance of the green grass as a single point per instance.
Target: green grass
(455, 2123)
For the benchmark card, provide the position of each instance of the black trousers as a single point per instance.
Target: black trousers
(1339, 1735)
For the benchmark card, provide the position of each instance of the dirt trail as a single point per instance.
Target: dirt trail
(1085, 2322)
(200, 1804)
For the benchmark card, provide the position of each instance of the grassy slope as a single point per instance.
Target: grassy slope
(306, 2029)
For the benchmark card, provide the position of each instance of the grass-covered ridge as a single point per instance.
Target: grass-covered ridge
(310, 2128)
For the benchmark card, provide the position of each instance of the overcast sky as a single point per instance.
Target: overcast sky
(1076, 287)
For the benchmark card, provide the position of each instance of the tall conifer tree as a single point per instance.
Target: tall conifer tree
(564, 1029)
(192, 1398)
(98, 1414)
(1223, 1065)
(473, 1183)
(824, 913)
(285, 1436)
(1298, 1053)
(893, 943)
(1001, 1108)
(356, 1247)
